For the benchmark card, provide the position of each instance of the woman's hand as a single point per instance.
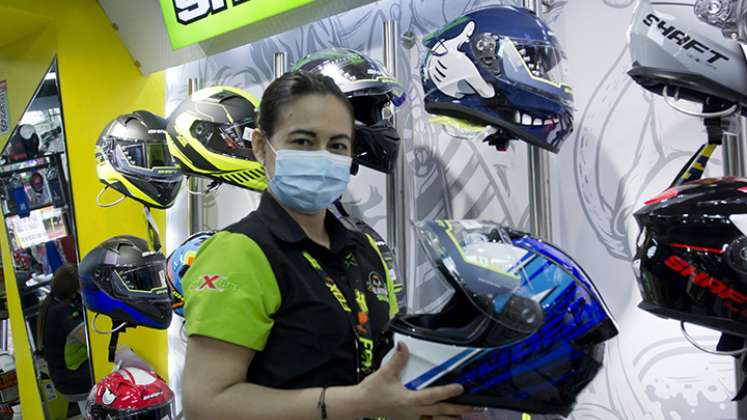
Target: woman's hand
(383, 394)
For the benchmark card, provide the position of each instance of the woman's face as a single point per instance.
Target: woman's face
(312, 122)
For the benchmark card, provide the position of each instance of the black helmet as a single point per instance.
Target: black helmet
(123, 279)
(372, 92)
(691, 260)
(24, 143)
(209, 134)
(133, 158)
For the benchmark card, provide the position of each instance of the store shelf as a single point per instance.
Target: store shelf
(39, 207)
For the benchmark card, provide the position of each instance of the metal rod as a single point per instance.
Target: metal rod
(540, 204)
(194, 204)
(533, 5)
(396, 193)
(4, 334)
(279, 65)
(734, 149)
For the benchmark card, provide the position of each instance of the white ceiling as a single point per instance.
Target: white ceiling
(141, 28)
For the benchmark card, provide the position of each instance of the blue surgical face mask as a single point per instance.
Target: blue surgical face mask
(309, 181)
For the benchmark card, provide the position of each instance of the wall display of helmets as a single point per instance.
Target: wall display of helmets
(630, 108)
(473, 71)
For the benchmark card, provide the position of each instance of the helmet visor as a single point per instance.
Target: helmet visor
(233, 139)
(507, 283)
(145, 154)
(535, 65)
(147, 281)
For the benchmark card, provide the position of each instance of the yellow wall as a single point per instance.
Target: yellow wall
(98, 81)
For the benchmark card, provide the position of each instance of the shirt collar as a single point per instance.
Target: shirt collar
(282, 225)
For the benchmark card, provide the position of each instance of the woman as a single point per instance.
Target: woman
(285, 308)
(62, 335)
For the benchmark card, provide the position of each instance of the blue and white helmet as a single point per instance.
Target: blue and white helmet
(500, 66)
(518, 323)
(177, 265)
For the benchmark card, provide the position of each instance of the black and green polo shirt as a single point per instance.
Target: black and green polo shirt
(250, 285)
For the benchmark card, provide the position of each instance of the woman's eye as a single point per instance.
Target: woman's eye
(339, 146)
(301, 142)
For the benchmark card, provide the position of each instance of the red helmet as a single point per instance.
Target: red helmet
(131, 393)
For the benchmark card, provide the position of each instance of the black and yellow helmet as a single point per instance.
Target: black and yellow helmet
(209, 135)
(133, 158)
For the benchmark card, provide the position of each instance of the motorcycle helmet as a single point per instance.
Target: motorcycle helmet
(132, 157)
(676, 55)
(8, 379)
(123, 279)
(24, 143)
(522, 327)
(131, 393)
(728, 15)
(209, 134)
(500, 66)
(373, 93)
(691, 259)
(177, 265)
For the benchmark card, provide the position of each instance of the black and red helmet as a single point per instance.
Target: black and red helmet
(131, 393)
(691, 260)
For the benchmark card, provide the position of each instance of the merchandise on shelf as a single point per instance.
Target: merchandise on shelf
(500, 66)
(373, 93)
(133, 158)
(680, 57)
(209, 135)
(131, 393)
(177, 265)
(124, 280)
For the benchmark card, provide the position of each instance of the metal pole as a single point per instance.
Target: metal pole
(279, 65)
(734, 149)
(4, 334)
(194, 205)
(540, 205)
(396, 198)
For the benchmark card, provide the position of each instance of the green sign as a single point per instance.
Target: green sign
(192, 21)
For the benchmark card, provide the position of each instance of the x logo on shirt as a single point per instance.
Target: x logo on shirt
(208, 282)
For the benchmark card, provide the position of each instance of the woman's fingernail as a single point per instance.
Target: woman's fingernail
(479, 409)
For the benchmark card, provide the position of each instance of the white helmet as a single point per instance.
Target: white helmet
(676, 55)
(8, 379)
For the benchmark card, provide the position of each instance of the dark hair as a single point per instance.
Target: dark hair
(289, 87)
(65, 284)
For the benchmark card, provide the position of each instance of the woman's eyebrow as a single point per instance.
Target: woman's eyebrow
(302, 131)
(340, 137)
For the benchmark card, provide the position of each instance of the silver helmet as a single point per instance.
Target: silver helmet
(728, 15)
(676, 55)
